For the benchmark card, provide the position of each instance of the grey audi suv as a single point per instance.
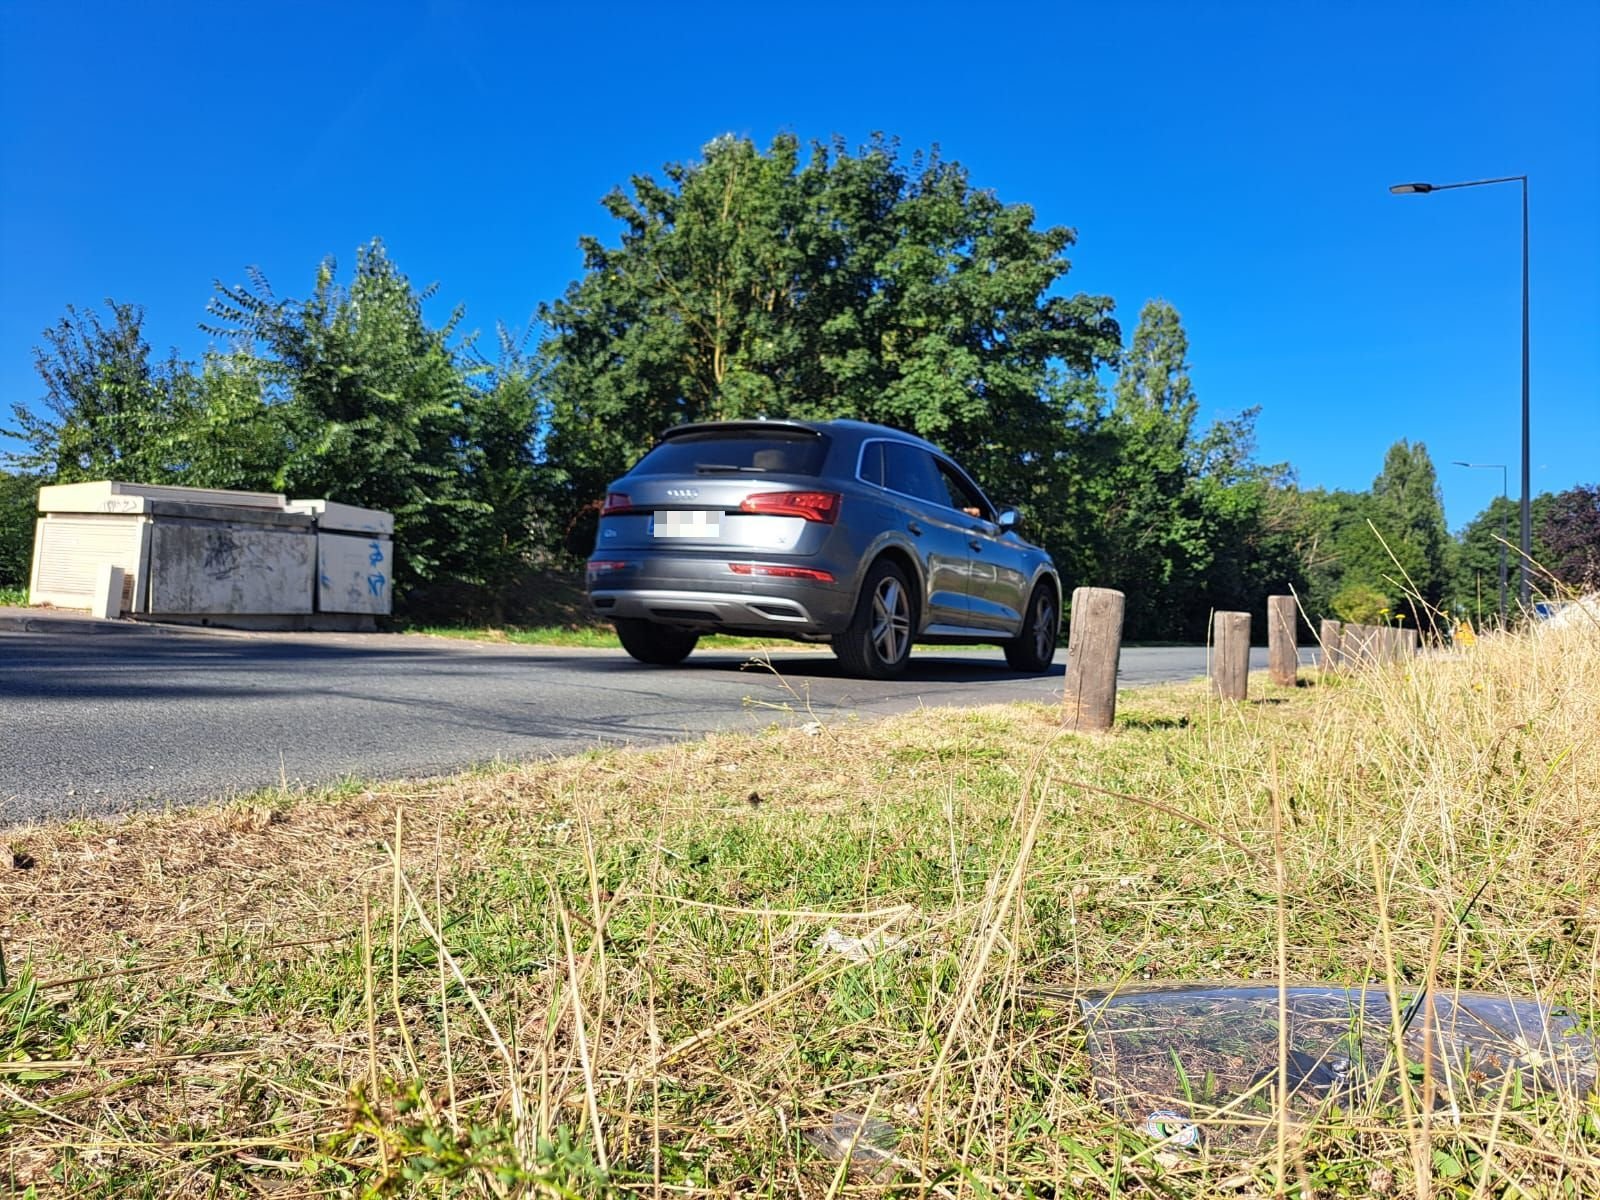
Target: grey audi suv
(836, 531)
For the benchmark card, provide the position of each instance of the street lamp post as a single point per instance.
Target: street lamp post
(1504, 532)
(1526, 540)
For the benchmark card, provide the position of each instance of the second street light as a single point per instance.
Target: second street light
(1504, 504)
(1417, 189)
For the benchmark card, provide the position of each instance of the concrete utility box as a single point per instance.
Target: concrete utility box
(355, 557)
(243, 558)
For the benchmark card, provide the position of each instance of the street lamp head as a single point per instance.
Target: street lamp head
(1410, 189)
(1456, 462)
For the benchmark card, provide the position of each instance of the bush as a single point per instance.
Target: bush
(1361, 603)
(19, 504)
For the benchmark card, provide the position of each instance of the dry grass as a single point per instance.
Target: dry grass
(602, 974)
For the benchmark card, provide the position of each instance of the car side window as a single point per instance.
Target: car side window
(962, 495)
(872, 463)
(910, 470)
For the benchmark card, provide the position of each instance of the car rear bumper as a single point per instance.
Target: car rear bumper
(786, 614)
(697, 591)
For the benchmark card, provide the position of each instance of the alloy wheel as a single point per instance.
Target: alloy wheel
(891, 620)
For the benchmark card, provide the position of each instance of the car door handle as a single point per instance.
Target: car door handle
(915, 529)
(975, 544)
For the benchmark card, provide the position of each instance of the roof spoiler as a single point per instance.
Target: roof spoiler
(791, 428)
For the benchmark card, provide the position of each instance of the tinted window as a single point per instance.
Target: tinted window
(872, 463)
(911, 469)
(963, 495)
(735, 452)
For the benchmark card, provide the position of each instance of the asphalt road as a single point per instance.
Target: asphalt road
(104, 722)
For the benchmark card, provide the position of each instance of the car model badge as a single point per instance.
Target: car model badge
(683, 493)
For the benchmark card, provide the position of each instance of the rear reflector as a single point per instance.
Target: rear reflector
(780, 572)
(616, 502)
(601, 566)
(813, 506)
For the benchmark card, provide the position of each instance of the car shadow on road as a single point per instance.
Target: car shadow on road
(929, 668)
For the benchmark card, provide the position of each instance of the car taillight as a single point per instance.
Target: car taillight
(780, 572)
(599, 566)
(616, 503)
(813, 506)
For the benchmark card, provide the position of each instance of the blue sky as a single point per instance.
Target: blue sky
(1233, 159)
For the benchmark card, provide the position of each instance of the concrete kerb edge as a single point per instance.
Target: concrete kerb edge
(23, 621)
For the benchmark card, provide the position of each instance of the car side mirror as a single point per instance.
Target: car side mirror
(1009, 520)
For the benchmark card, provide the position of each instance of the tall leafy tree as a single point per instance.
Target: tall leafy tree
(108, 410)
(1408, 514)
(1245, 532)
(834, 283)
(1475, 582)
(373, 400)
(1191, 522)
(1152, 535)
(1570, 531)
(503, 412)
(19, 503)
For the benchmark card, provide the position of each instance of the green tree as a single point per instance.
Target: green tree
(1337, 547)
(373, 404)
(1154, 547)
(1361, 604)
(1245, 527)
(1408, 517)
(503, 412)
(19, 509)
(838, 284)
(108, 411)
(1475, 582)
(1190, 522)
(1570, 531)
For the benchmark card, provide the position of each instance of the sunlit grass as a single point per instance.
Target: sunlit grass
(606, 975)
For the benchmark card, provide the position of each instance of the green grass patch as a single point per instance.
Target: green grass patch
(619, 974)
(13, 597)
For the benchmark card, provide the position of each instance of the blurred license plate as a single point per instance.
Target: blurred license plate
(686, 524)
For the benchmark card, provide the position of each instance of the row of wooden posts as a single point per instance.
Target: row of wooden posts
(1095, 646)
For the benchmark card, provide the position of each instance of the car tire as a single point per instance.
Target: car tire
(877, 642)
(1034, 649)
(653, 643)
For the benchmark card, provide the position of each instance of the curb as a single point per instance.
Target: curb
(22, 620)
(24, 623)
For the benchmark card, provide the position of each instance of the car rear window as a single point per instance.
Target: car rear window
(736, 452)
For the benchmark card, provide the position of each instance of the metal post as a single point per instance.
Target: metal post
(1505, 537)
(1527, 509)
(1505, 533)
(1525, 542)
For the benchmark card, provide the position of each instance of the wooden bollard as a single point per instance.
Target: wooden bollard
(1358, 645)
(1094, 647)
(1331, 636)
(1283, 658)
(1230, 655)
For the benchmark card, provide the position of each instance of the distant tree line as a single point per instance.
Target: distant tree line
(793, 281)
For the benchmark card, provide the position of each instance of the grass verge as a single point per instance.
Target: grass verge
(617, 974)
